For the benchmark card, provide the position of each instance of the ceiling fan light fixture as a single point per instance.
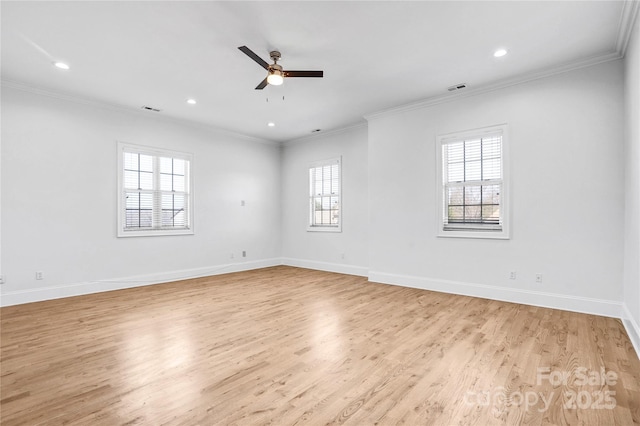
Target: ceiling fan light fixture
(275, 77)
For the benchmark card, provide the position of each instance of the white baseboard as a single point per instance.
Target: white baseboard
(79, 289)
(326, 266)
(607, 308)
(632, 327)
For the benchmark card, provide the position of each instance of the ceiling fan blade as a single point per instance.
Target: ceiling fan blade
(303, 73)
(262, 84)
(255, 57)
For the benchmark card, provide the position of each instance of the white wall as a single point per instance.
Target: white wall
(324, 250)
(566, 143)
(632, 182)
(59, 200)
(58, 211)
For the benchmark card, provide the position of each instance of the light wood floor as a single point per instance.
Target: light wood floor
(287, 346)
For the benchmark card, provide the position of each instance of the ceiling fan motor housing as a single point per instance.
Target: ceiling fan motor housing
(275, 55)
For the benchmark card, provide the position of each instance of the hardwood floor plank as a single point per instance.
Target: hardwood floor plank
(290, 346)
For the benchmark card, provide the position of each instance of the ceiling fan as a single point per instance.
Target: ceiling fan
(275, 73)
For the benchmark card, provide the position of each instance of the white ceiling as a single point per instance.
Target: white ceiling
(375, 55)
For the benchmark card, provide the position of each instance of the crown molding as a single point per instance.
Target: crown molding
(322, 135)
(131, 110)
(520, 79)
(630, 11)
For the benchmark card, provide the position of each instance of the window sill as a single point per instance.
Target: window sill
(324, 229)
(154, 233)
(488, 235)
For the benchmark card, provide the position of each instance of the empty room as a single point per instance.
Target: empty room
(320, 212)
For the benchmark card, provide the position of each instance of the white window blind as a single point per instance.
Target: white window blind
(472, 182)
(324, 195)
(155, 196)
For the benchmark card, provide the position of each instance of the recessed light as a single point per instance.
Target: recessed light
(61, 65)
(271, 124)
(499, 53)
(191, 101)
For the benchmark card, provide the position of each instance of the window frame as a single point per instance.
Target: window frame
(156, 153)
(501, 231)
(324, 228)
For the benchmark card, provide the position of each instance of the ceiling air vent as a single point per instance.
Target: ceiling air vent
(456, 87)
(148, 108)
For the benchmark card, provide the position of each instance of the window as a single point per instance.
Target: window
(154, 192)
(324, 196)
(472, 185)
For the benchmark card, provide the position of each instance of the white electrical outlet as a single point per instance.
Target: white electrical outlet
(512, 275)
(538, 278)
(244, 253)
(39, 275)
